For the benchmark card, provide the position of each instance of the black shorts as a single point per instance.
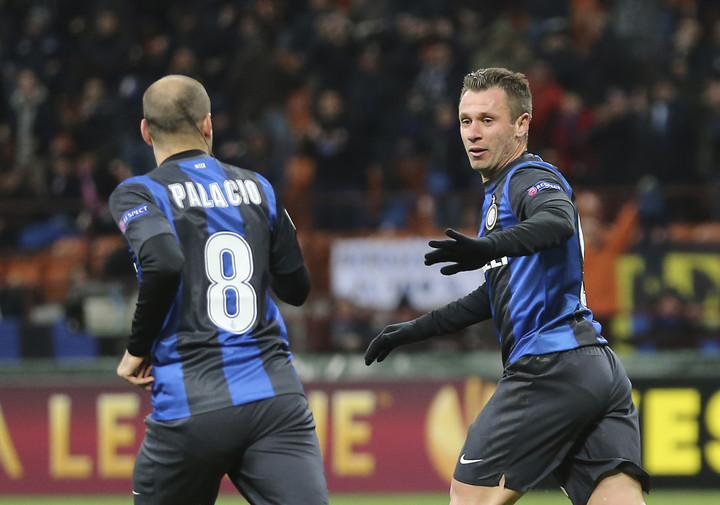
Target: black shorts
(268, 448)
(567, 413)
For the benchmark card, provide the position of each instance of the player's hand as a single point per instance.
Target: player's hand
(391, 337)
(136, 371)
(463, 252)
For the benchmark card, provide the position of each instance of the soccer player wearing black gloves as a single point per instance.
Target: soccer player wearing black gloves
(211, 240)
(564, 405)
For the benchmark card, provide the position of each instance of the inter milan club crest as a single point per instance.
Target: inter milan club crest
(492, 215)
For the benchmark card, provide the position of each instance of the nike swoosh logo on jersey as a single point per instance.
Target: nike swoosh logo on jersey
(464, 461)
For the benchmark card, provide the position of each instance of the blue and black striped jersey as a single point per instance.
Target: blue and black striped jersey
(223, 341)
(538, 300)
(533, 290)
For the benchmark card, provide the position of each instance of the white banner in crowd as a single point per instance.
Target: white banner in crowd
(377, 273)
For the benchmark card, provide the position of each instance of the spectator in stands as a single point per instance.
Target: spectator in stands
(547, 97)
(33, 124)
(96, 113)
(184, 61)
(10, 177)
(669, 123)
(260, 74)
(64, 182)
(370, 90)
(438, 77)
(703, 58)
(15, 300)
(708, 141)
(563, 57)
(639, 32)
(671, 323)
(228, 142)
(105, 48)
(653, 242)
(605, 242)
(570, 140)
(258, 155)
(37, 46)
(502, 43)
(78, 291)
(616, 127)
(369, 53)
(329, 60)
(686, 37)
(328, 141)
(445, 148)
(349, 327)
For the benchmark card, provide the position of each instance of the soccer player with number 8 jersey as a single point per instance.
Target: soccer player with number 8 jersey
(210, 240)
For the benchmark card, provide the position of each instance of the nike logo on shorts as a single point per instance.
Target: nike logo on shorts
(464, 461)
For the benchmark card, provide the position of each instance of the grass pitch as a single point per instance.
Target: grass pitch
(659, 497)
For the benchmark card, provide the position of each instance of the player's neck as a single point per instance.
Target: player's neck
(163, 152)
(519, 150)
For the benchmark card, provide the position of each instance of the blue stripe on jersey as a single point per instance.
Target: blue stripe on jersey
(242, 362)
(225, 218)
(548, 282)
(170, 398)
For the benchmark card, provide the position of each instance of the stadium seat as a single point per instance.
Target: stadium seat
(9, 341)
(100, 248)
(72, 345)
(65, 256)
(25, 270)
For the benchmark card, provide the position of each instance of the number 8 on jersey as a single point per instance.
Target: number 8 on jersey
(231, 299)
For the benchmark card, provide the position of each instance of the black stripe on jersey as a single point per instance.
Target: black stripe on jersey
(274, 349)
(501, 299)
(193, 339)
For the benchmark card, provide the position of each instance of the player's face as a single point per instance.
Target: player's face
(491, 138)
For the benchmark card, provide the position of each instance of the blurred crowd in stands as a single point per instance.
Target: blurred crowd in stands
(349, 108)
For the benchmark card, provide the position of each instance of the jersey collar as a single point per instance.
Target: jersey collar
(191, 153)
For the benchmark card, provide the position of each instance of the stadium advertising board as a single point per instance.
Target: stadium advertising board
(376, 436)
(354, 267)
(688, 276)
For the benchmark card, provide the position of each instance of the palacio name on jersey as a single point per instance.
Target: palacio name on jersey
(234, 192)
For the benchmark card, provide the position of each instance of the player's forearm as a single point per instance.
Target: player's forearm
(470, 309)
(161, 263)
(547, 228)
(452, 317)
(292, 288)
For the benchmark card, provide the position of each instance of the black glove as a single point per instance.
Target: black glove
(466, 253)
(395, 335)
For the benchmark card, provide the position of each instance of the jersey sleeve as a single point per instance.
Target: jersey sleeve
(285, 254)
(137, 214)
(531, 187)
(470, 309)
(545, 213)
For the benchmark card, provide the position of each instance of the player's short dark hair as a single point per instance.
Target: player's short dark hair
(515, 84)
(175, 104)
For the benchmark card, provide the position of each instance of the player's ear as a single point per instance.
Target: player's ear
(207, 128)
(145, 132)
(522, 125)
